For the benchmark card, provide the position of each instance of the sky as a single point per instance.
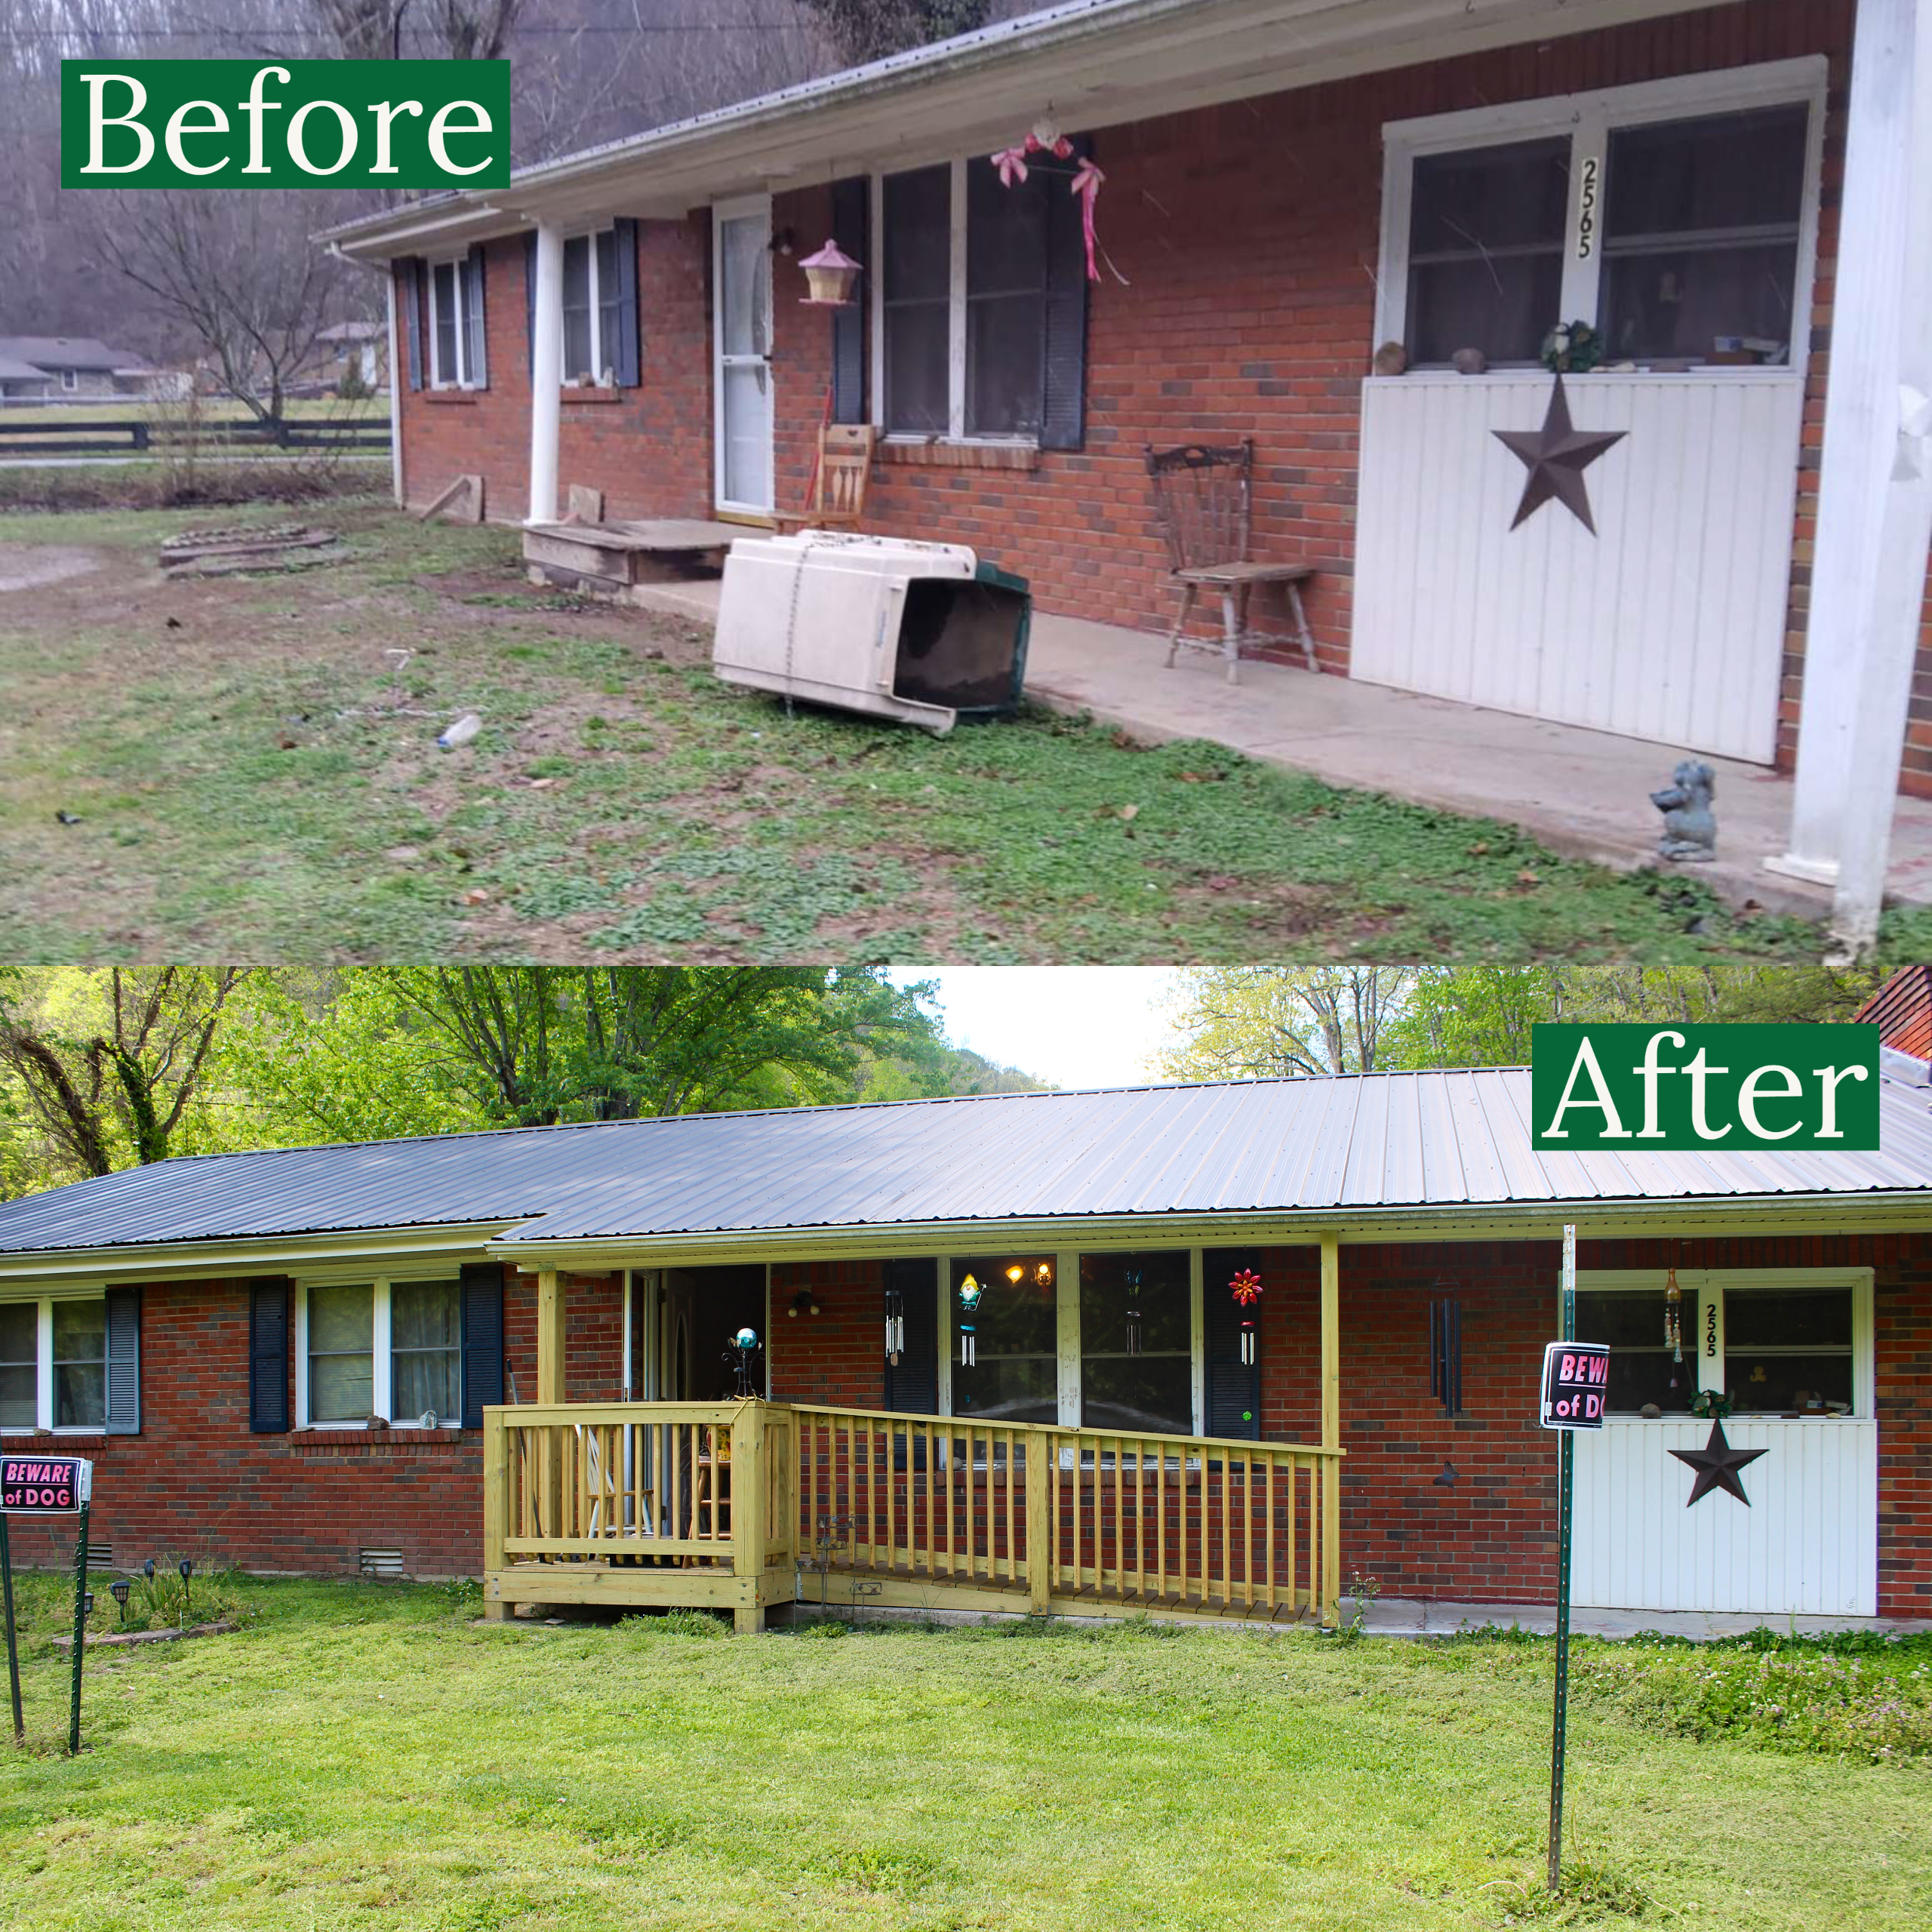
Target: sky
(1072, 1025)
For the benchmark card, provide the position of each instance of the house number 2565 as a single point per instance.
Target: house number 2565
(1586, 208)
(1710, 1331)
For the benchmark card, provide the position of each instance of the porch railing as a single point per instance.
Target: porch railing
(752, 1504)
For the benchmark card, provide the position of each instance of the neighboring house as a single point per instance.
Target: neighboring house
(357, 345)
(1285, 189)
(80, 365)
(286, 1361)
(23, 381)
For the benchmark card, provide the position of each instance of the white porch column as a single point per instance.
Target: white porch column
(1868, 566)
(546, 373)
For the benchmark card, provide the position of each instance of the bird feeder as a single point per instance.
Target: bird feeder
(831, 277)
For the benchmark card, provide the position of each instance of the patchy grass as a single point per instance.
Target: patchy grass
(251, 764)
(361, 1753)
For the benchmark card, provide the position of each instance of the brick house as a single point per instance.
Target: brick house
(1286, 188)
(380, 1355)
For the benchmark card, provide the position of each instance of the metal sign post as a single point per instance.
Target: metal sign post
(47, 1486)
(1566, 1477)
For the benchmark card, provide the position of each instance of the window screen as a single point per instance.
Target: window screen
(580, 347)
(916, 292)
(1700, 236)
(1788, 1349)
(341, 1353)
(1136, 1342)
(1014, 1376)
(425, 1333)
(1641, 1367)
(80, 1364)
(19, 1364)
(443, 281)
(1006, 281)
(1486, 234)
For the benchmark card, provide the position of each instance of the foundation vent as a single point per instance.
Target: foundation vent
(381, 1563)
(100, 1555)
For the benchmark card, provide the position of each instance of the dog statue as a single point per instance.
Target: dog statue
(1690, 826)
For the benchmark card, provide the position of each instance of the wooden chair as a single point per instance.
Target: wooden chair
(1203, 495)
(838, 483)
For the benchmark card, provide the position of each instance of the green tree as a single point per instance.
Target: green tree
(1252, 1022)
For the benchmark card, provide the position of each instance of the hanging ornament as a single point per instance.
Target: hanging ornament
(967, 1356)
(1246, 1289)
(969, 1292)
(1044, 138)
(895, 1325)
(1673, 1316)
(1133, 1275)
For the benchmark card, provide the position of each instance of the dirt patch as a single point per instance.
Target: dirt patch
(29, 566)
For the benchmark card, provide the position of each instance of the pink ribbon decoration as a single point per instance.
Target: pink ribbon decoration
(1087, 180)
(1011, 163)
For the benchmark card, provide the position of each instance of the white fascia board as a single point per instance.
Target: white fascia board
(1745, 1217)
(217, 1261)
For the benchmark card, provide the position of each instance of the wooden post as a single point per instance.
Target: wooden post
(550, 1389)
(496, 1506)
(1331, 1428)
(750, 1483)
(1040, 1526)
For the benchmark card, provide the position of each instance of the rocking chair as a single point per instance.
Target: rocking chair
(1202, 493)
(838, 482)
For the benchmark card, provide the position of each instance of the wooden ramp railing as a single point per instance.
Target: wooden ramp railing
(744, 1505)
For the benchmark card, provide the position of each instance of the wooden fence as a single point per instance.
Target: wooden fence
(138, 435)
(748, 1504)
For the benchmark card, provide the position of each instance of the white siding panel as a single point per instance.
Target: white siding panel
(1808, 1545)
(1668, 624)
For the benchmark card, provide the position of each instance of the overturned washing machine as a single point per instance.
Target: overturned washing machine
(925, 633)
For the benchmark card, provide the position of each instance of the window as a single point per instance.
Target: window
(1700, 236)
(1486, 250)
(1775, 1346)
(1676, 215)
(1136, 1342)
(70, 379)
(53, 1364)
(962, 299)
(592, 294)
(392, 1348)
(341, 1354)
(455, 295)
(1014, 1376)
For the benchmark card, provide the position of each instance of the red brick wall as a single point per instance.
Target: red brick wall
(1247, 234)
(837, 1356)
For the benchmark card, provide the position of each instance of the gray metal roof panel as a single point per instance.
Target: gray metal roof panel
(1453, 1139)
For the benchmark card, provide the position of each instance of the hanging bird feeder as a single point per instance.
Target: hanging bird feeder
(831, 278)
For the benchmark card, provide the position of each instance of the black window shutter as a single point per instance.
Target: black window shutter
(1063, 340)
(1234, 1387)
(628, 360)
(124, 1361)
(268, 1356)
(530, 302)
(472, 277)
(851, 217)
(482, 1339)
(409, 293)
(912, 1383)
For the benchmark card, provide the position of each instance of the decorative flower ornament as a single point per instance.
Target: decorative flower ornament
(1246, 1287)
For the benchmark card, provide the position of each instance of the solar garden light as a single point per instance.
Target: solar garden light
(185, 1566)
(119, 1591)
(147, 1569)
(86, 1603)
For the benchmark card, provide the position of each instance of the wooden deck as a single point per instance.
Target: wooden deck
(611, 559)
(747, 1505)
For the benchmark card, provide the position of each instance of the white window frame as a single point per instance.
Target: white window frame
(440, 378)
(600, 361)
(44, 1424)
(381, 1343)
(1588, 120)
(70, 379)
(1703, 1320)
(955, 315)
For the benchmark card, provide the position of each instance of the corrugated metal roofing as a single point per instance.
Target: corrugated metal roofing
(1450, 1140)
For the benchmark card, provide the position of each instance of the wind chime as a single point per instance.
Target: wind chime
(895, 1325)
(1132, 1277)
(1246, 1289)
(1673, 1317)
(969, 1292)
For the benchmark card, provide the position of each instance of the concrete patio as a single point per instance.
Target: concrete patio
(1583, 793)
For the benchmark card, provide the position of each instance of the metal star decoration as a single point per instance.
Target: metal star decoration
(1717, 1464)
(1556, 456)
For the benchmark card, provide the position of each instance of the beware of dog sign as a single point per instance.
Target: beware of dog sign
(43, 1485)
(1575, 1378)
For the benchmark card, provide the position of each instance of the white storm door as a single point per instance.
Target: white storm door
(741, 340)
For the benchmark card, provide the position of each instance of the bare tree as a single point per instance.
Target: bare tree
(869, 30)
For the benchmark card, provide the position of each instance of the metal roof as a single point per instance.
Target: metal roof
(1452, 1140)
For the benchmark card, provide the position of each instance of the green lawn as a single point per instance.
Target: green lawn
(249, 765)
(362, 1754)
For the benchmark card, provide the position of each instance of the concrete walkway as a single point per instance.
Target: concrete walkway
(1398, 1616)
(1584, 794)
